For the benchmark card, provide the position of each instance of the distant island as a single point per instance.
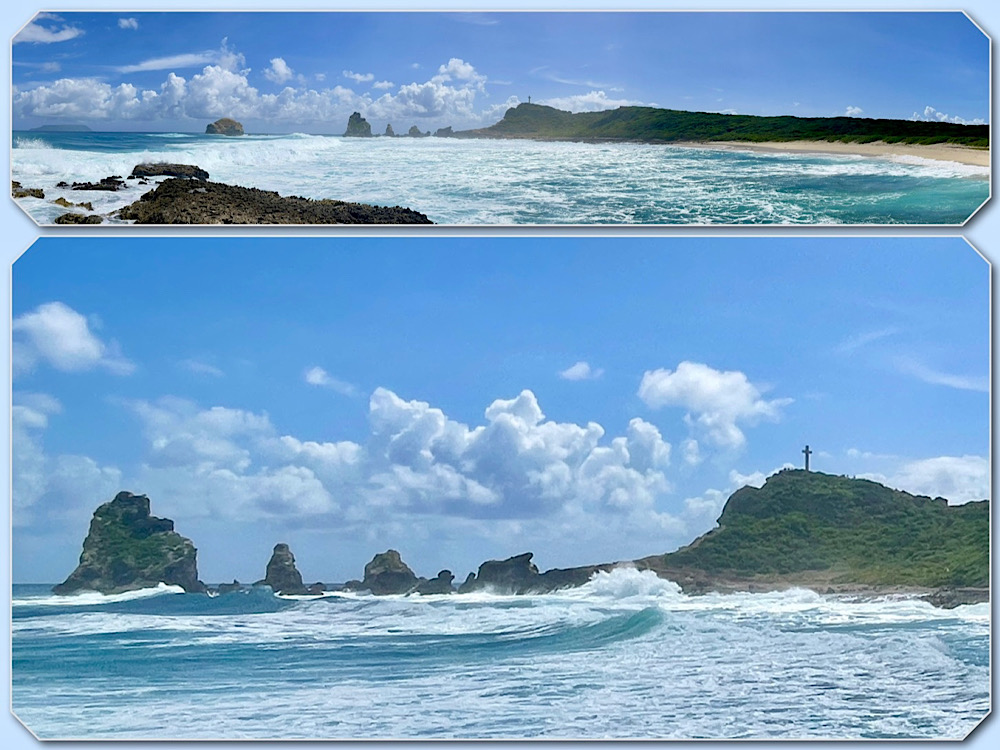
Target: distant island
(653, 125)
(64, 128)
(833, 534)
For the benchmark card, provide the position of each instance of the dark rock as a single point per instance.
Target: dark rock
(61, 184)
(226, 588)
(127, 549)
(111, 184)
(60, 201)
(317, 588)
(181, 201)
(225, 126)
(388, 130)
(469, 585)
(22, 192)
(949, 598)
(388, 574)
(414, 132)
(439, 585)
(444, 132)
(358, 127)
(168, 170)
(515, 575)
(72, 218)
(353, 585)
(562, 578)
(282, 575)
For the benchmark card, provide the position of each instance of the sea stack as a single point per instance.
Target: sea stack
(225, 126)
(388, 574)
(128, 549)
(389, 131)
(282, 575)
(358, 127)
(515, 575)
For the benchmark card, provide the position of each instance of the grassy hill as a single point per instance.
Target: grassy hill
(652, 125)
(857, 530)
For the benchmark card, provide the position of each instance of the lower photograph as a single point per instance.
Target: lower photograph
(515, 488)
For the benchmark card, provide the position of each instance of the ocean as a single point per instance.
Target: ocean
(625, 656)
(508, 182)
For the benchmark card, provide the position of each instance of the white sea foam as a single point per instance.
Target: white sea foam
(91, 598)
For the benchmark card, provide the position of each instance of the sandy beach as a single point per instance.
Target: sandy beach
(938, 152)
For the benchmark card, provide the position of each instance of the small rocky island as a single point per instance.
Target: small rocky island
(128, 549)
(225, 126)
(835, 535)
(358, 127)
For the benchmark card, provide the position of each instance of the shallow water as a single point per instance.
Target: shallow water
(626, 656)
(521, 182)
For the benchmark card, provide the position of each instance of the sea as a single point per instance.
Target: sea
(520, 182)
(626, 656)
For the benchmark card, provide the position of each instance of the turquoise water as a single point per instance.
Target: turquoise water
(626, 656)
(471, 182)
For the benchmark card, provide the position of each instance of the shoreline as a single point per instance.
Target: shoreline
(973, 157)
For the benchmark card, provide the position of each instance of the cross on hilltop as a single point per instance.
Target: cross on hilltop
(808, 453)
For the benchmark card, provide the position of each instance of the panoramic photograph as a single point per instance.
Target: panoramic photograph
(501, 118)
(500, 488)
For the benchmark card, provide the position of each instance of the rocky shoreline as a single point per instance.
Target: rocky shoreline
(126, 548)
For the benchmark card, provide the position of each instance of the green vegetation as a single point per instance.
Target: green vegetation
(652, 125)
(860, 530)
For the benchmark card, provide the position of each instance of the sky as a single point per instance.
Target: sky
(467, 398)
(306, 72)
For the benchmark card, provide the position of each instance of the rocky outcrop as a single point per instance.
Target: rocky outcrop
(72, 218)
(282, 575)
(389, 131)
(225, 126)
(439, 585)
(388, 574)
(358, 127)
(60, 201)
(444, 132)
(469, 585)
(169, 170)
(228, 588)
(515, 575)
(414, 132)
(182, 201)
(128, 549)
(22, 192)
(111, 184)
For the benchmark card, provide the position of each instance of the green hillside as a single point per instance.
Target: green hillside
(652, 125)
(861, 530)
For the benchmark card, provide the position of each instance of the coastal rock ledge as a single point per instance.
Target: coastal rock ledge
(128, 549)
(225, 126)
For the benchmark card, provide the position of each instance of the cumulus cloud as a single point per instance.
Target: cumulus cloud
(930, 114)
(319, 376)
(47, 33)
(852, 111)
(960, 479)
(279, 72)
(358, 77)
(383, 85)
(592, 101)
(716, 400)
(58, 335)
(222, 88)
(581, 371)
(128, 23)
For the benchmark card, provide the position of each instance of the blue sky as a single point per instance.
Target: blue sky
(285, 72)
(587, 399)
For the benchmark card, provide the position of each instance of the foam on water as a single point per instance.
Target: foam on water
(92, 598)
(526, 182)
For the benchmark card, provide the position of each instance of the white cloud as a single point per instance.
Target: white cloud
(930, 114)
(581, 371)
(320, 77)
(279, 72)
(592, 101)
(957, 478)
(383, 85)
(128, 23)
(358, 77)
(45, 34)
(716, 400)
(319, 376)
(917, 369)
(201, 368)
(56, 334)
(187, 60)
(859, 341)
(852, 111)
(691, 452)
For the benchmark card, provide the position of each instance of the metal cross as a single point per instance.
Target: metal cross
(808, 453)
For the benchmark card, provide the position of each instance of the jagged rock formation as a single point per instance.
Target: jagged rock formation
(111, 184)
(71, 218)
(225, 126)
(518, 575)
(226, 588)
(17, 191)
(183, 201)
(414, 132)
(60, 201)
(388, 574)
(388, 130)
(439, 585)
(169, 170)
(282, 575)
(358, 127)
(127, 549)
(444, 132)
